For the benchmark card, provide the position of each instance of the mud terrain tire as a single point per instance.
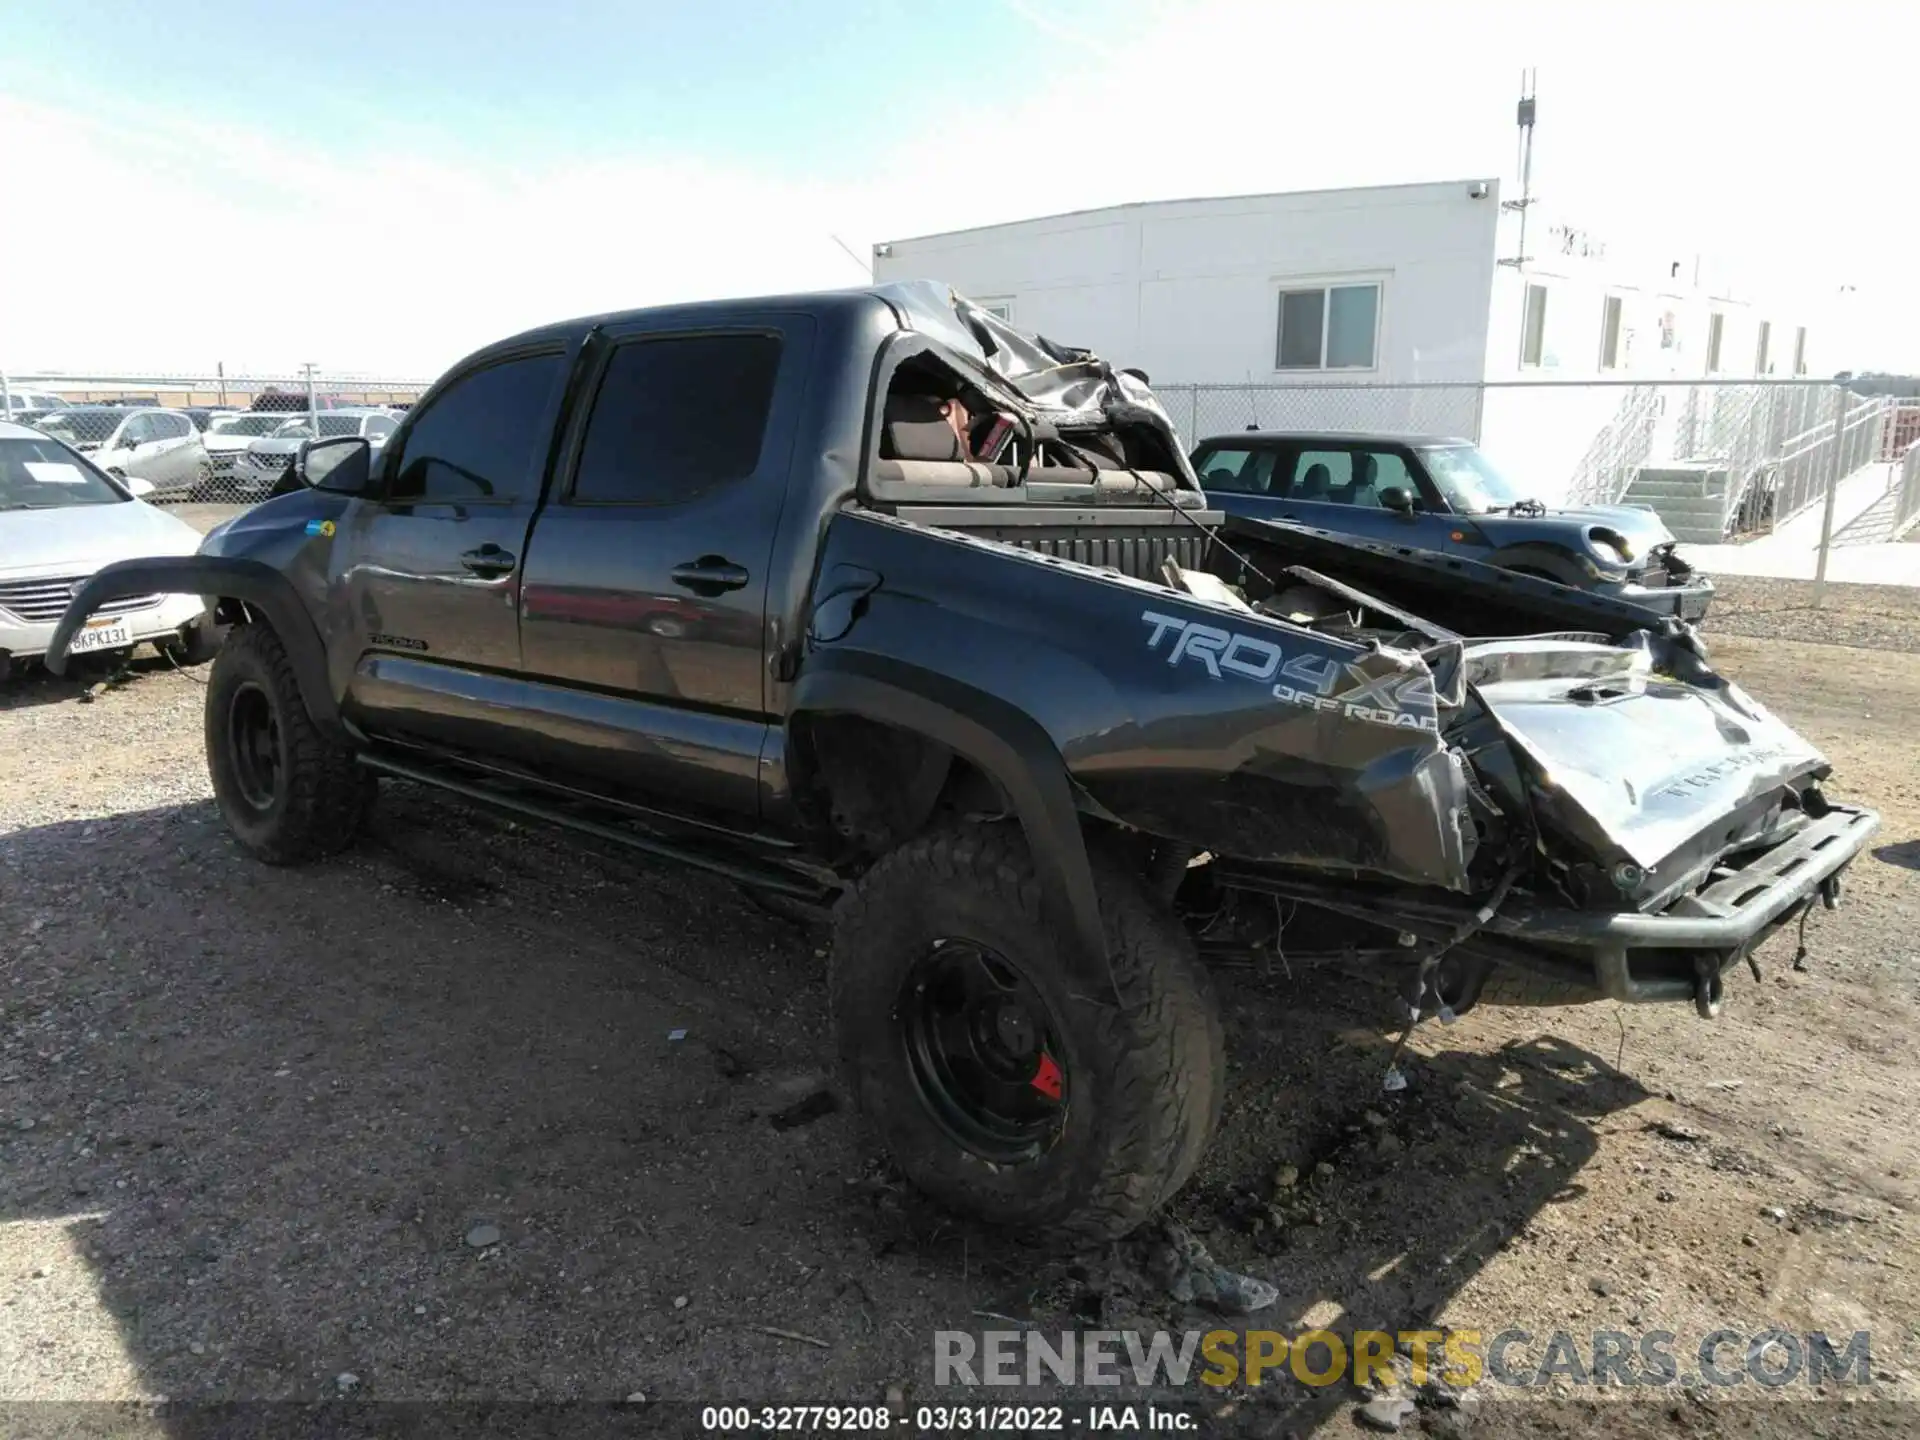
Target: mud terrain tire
(288, 793)
(1140, 1082)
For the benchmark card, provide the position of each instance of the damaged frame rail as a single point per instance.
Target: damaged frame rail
(1606, 951)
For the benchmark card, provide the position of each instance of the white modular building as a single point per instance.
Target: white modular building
(1392, 284)
(1437, 287)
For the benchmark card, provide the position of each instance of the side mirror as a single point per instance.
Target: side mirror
(1398, 499)
(137, 487)
(342, 466)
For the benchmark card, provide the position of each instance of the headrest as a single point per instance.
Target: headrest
(914, 429)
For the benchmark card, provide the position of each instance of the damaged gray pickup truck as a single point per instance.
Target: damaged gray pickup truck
(871, 603)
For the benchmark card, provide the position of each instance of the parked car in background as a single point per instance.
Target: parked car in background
(267, 459)
(227, 437)
(61, 519)
(204, 415)
(296, 401)
(158, 446)
(1442, 494)
(23, 402)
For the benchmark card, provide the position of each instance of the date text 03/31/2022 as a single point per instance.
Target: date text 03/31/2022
(945, 1419)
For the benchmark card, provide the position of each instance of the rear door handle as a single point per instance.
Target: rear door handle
(710, 575)
(489, 561)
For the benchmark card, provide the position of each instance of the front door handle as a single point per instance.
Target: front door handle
(710, 575)
(489, 562)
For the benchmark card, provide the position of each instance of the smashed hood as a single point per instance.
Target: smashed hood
(1058, 381)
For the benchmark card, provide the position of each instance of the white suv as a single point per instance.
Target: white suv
(228, 436)
(162, 447)
(23, 402)
(61, 519)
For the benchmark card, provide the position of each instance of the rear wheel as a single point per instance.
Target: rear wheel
(993, 1060)
(288, 792)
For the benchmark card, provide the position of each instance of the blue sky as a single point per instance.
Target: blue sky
(381, 187)
(786, 86)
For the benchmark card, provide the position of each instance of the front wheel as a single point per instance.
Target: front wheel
(288, 792)
(997, 1065)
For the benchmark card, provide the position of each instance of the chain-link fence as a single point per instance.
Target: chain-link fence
(1200, 411)
(196, 439)
(1717, 459)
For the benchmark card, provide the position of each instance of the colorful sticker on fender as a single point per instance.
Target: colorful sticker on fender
(1399, 700)
(320, 527)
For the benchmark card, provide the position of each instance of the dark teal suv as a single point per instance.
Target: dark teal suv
(1443, 494)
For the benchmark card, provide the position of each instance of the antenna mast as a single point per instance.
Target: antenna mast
(1523, 117)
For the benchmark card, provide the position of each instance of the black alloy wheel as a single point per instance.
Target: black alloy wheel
(982, 1051)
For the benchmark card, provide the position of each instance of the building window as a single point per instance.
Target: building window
(1800, 351)
(1330, 327)
(1533, 330)
(998, 306)
(1760, 347)
(1610, 334)
(1716, 330)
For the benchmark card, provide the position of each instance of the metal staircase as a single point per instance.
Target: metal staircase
(1690, 496)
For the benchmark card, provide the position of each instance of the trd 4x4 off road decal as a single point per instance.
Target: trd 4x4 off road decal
(1399, 699)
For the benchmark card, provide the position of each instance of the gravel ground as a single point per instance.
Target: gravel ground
(1872, 617)
(418, 1117)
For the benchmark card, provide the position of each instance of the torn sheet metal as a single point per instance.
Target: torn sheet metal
(1645, 761)
(1060, 381)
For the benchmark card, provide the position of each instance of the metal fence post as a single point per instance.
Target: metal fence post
(1834, 476)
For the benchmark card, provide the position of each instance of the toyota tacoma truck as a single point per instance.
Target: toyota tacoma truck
(869, 602)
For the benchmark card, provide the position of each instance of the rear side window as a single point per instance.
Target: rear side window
(171, 427)
(676, 417)
(1236, 472)
(1348, 477)
(478, 440)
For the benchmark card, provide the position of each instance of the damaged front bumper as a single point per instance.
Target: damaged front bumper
(1688, 601)
(1636, 957)
(1683, 952)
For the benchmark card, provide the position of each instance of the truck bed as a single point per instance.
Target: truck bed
(1134, 542)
